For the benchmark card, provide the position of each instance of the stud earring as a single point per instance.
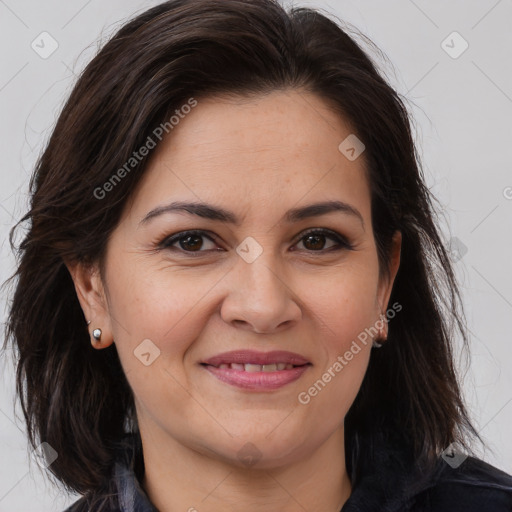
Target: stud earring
(376, 344)
(96, 334)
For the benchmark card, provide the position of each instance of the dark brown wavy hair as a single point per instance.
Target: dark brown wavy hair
(76, 398)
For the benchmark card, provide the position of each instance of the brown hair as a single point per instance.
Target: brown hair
(77, 399)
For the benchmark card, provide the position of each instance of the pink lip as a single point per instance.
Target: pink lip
(257, 380)
(255, 357)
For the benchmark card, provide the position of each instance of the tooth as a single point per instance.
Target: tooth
(250, 367)
(253, 367)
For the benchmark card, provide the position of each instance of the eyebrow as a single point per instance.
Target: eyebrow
(208, 211)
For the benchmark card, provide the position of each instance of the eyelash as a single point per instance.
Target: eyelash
(342, 242)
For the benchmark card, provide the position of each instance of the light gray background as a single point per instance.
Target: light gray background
(462, 107)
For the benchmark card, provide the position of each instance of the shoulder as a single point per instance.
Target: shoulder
(473, 486)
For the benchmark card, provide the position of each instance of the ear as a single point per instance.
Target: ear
(386, 283)
(92, 297)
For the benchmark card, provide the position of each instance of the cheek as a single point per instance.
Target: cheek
(152, 309)
(165, 307)
(156, 299)
(344, 303)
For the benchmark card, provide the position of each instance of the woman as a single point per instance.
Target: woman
(228, 214)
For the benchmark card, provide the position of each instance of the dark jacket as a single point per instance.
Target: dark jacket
(386, 484)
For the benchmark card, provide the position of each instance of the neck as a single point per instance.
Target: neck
(180, 478)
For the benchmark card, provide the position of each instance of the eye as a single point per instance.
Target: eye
(189, 241)
(314, 240)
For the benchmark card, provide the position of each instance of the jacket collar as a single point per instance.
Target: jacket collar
(128, 474)
(384, 478)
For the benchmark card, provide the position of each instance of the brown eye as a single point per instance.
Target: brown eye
(315, 241)
(189, 242)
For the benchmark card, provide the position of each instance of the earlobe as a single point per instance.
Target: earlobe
(91, 295)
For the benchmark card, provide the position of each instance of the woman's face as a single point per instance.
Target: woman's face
(252, 281)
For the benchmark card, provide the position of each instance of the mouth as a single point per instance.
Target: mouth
(257, 371)
(256, 361)
(252, 367)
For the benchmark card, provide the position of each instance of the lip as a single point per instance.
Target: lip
(256, 357)
(259, 381)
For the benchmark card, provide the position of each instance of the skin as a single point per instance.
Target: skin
(257, 157)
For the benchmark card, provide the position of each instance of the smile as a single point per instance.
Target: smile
(255, 376)
(251, 367)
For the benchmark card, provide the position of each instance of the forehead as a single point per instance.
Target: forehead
(260, 153)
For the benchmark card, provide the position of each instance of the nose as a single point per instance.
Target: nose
(260, 299)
